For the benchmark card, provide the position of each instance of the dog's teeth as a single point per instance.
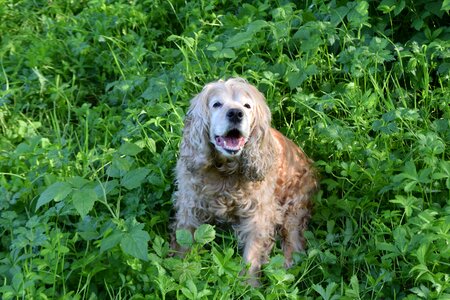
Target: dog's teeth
(234, 143)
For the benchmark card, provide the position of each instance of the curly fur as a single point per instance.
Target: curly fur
(263, 189)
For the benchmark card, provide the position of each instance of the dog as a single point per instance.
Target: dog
(234, 168)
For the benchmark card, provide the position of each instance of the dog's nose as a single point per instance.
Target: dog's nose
(235, 115)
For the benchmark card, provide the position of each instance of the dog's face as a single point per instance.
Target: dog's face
(228, 119)
(231, 113)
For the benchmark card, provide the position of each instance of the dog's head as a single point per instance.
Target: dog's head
(229, 120)
(232, 112)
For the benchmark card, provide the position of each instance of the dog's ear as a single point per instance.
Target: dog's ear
(260, 152)
(195, 149)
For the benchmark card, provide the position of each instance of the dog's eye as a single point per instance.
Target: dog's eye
(217, 105)
(246, 105)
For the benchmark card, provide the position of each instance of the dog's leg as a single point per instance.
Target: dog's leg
(179, 251)
(188, 216)
(257, 235)
(294, 224)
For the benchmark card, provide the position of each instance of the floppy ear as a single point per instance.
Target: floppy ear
(194, 149)
(260, 152)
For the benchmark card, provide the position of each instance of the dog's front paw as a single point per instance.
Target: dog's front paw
(288, 263)
(251, 277)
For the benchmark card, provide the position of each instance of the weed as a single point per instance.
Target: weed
(92, 102)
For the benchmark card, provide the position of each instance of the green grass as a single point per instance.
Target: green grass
(92, 100)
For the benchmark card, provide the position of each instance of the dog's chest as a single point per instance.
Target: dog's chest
(228, 200)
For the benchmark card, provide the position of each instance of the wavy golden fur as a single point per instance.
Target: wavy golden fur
(233, 167)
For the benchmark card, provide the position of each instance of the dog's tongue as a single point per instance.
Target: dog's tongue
(232, 143)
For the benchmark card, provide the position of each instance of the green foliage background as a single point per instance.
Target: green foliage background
(92, 99)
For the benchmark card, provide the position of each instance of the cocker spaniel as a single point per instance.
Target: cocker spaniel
(233, 167)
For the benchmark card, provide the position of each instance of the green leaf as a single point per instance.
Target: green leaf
(418, 24)
(421, 254)
(77, 182)
(134, 178)
(57, 191)
(399, 8)
(217, 46)
(348, 232)
(328, 293)
(158, 109)
(191, 291)
(157, 87)
(244, 37)
(295, 79)
(409, 172)
(320, 290)
(354, 291)
(328, 257)
(390, 248)
(83, 200)
(8, 291)
(400, 239)
(160, 246)
(445, 5)
(359, 13)
(204, 293)
(239, 39)
(17, 281)
(135, 243)
(386, 6)
(184, 238)
(119, 166)
(111, 241)
(228, 53)
(104, 188)
(422, 292)
(151, 144)
(129, 149)
(256, 26)
(445, 167)
(408, 203)
(410, 186)
(421, 269)
(337, 15)
(205, 233)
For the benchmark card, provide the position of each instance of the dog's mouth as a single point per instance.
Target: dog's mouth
(232, 142)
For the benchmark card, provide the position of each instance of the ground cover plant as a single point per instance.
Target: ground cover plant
(92, 100)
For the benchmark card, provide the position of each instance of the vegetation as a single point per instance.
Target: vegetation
(92, 99)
